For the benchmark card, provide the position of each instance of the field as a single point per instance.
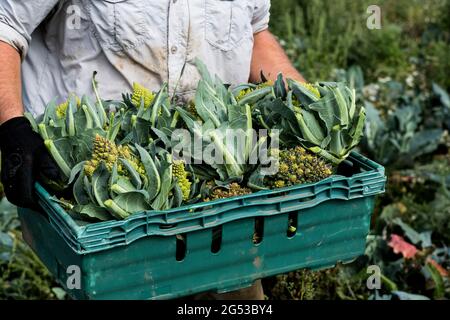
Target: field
(401, 74)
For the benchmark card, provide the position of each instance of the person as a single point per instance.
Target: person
(51, 48)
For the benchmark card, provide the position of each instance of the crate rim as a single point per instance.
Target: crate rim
(77, 231)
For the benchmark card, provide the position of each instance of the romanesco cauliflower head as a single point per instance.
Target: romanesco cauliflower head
(296, 166)
(140, 92)
(181, 176)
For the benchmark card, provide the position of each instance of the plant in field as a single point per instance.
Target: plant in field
(22, 274)
(411, 130)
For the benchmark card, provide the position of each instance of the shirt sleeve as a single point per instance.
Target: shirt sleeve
(261, 15)
(18, 20)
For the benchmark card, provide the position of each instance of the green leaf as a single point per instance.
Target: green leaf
(310, 127)
(279, 87)
(162, 136)
(256, 95)
(114, 126)
(177, 195)
(412, 234)
(408, 296)
(157, 102)
(32, 121)
(154, 180)
(206, 109)
(256, 181)
(92, 111)
(92, 212)
(343, 104)
(203, 70)
(50, 112)
(439, 290)
(325, 109)
(99, 105)
(88, 188)
(115, 210)
(141, 131)
(357, 129)
(425, 141)
(80, 194)
(123, 185)
(114, 175)
(75, 171)
(70, 118)
(59, 293)
(60, 151)
(328, 156)
(89, 121)
(161, 200)
(132, 202)
(444, 96)
(134, 175)
(100, 180)
(303, 95)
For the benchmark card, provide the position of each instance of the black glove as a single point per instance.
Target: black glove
(24, 160)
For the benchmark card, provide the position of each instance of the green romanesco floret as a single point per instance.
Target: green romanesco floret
(104, 151)
(181, 176)
(244, 92)
(310, 87)
(193, 111)
(140, 92)
(109, 153)
(233, 190)
(297, 166)
(62, 108)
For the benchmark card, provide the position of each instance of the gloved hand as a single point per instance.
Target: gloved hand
(24, 160)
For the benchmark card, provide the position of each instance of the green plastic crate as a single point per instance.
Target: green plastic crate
(170, 254)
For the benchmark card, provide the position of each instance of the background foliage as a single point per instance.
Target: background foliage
(401, 74)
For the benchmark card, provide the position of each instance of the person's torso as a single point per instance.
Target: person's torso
(144, 41)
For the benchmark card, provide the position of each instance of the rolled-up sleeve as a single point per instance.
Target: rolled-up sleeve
(261, 15)
(18, 20)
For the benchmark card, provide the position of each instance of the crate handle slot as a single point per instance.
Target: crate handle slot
(292, 224)
(181, 247)
(258, 232)
(216, 242)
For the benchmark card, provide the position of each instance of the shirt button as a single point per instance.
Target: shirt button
(173, 49)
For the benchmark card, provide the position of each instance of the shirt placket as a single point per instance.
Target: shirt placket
(177, 41)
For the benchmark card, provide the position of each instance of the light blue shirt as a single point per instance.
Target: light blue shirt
(146, 41)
